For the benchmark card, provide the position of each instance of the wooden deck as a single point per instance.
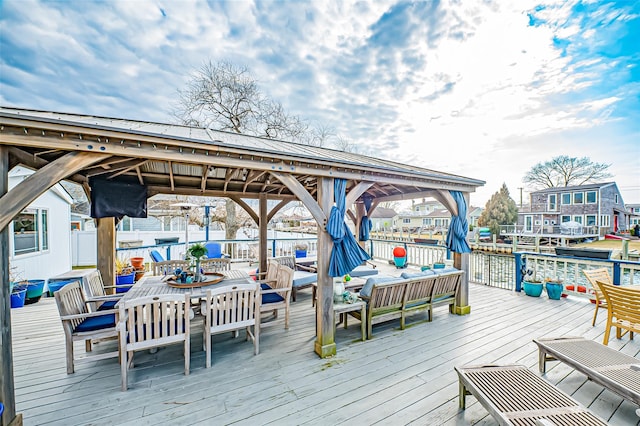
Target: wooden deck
(398, 377)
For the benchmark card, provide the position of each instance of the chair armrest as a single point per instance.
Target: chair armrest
(83, 316)
(104, 298)
(306, 268)
(276, 290)
(266, 282)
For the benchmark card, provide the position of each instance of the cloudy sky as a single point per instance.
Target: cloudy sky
(484, 89)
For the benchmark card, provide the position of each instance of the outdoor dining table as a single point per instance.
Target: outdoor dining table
(157, 285)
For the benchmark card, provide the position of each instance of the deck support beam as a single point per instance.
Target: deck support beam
(461, 262)
(325, 344)
(106, 249)
(7, 392)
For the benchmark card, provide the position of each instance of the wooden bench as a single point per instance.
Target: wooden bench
(514, 395)
(401, 297)
(605, 366)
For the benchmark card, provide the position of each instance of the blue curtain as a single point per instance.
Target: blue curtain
(457, 236)
(346, 253)
(365, 224)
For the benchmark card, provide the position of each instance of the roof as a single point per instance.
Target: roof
(573, 188)
(383, 213)
(170, 158)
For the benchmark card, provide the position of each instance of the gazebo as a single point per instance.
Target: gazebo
(174, 159)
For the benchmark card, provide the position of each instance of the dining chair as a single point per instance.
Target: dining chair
(232, 308)
(79, 323)
(593, 276)
(623, 310)
(277, 295)
(97, 296)
(151, 322)
(167, 267)
(216, 265)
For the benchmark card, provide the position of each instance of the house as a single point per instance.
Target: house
(634, 214)
(597, 207)
(382, 218)
(474, 215)
(40, 236)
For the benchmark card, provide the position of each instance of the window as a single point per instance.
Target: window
(615, 198)
(565, 218)
(577, 218)
(31, 231)
(566, 198)
(125, 224)
(528, 223)
(426, 221)
(578, 198)
(537, 222)
(590, 220)
(406, 220)
(605, 220)
(553, 202)
(592, 197)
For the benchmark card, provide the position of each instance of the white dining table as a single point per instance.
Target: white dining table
(157, 285)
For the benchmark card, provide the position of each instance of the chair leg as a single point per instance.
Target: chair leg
(207, 340)
(124, 362)
(187, 356)
(595, 315)
(607, 331)
(69, 345)
(88, 346)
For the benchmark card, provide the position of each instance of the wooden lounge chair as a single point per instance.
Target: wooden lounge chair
(623, 310)
(151, 322)
(81, 324)
(594, 275)
(514, 395)
(232, 308)
(607, 367)
(97, 296)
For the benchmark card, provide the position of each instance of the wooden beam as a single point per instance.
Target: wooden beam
(303, 195)
(171, 183)
(35, 162)
(106, 249)
(247, 208)
(325, 345)
(461, 262)
(13, 202)
(447, 200)
(262, 233)
(7, 391)
(276, 209)
(356, 192)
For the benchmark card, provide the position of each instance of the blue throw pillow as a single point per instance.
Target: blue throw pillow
(408, 275)
(368, 285)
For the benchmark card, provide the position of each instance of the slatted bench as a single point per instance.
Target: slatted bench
(605, 366)
(514, 395)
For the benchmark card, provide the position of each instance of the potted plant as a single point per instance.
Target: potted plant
(532, 286)
(301, 250)
(554, 288)
(196, 252)
(125, 274)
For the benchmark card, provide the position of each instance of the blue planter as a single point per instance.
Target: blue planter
(301, 253)
(125, 280)
(554, 290)
(18, 296)
(35, 288)
(532, 289)
(57, 285)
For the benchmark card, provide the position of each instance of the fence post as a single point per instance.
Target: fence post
(520, 261)
(273, 248)
(617, 277)
(168, 253)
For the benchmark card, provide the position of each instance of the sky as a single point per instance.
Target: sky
(478, 88)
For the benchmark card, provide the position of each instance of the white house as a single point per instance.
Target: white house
(40, 237)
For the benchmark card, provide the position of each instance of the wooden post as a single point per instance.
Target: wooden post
(262, 233)
(461, 262)
(7, 393)
(325, 345)
(360, 213)
(106, 249)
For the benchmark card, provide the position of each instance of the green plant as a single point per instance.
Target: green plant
(197, 251)
(123, 267)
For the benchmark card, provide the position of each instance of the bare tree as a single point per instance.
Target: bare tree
(566, 171)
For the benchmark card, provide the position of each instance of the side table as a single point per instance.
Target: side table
(343, 308)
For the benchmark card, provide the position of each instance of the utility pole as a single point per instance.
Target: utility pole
(520, 188)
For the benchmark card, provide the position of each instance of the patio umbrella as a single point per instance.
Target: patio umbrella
(457, 235)
(365, 224)
(346, 253)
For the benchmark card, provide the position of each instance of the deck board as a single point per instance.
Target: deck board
(398, 377)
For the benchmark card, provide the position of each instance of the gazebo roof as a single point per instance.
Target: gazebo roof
(170, 158)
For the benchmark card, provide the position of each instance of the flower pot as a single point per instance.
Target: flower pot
(554, 290)
(35, 288)
(137, 262)
(18, 296)
(532, 289)
(124, 279)
(57, 285)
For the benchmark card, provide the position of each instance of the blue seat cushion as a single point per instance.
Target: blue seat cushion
(368, 285)
(363, 271)
(408, 275)
(270, 297)
(109, 304)
(304, 278)
(96, 323)
(445, 270)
